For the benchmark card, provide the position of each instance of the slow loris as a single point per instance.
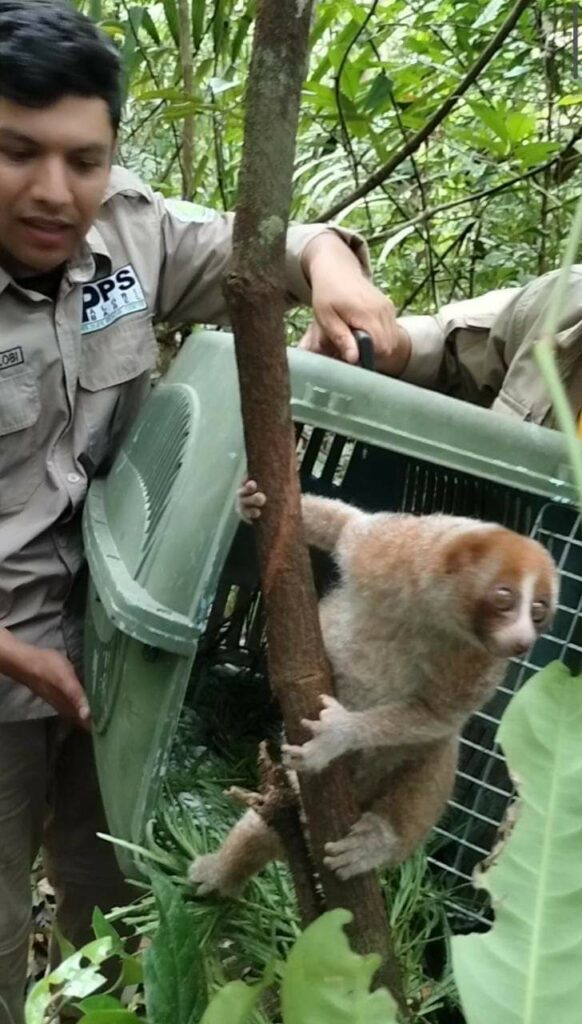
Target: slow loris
(419, 629)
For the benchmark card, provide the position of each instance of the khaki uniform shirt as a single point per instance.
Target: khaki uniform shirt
(73, 373)
(482, 350)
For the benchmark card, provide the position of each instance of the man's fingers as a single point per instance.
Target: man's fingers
(339, 337)
(77, 705)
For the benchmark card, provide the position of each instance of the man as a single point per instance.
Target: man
(482, 350)
(88, 257)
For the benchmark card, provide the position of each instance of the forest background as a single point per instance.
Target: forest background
(484, 202)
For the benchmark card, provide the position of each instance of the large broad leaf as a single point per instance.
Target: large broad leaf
(233, 1004)
(175, 988)
(78, 976)
(326, 983)
(528, 968)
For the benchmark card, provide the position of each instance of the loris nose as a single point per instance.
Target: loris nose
(521, 647)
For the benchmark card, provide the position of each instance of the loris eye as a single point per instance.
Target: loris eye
(503, 599)
(539, 611)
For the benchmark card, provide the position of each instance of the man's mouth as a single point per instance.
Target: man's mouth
(44, 231)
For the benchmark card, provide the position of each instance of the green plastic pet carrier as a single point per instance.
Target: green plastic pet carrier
(172, 572)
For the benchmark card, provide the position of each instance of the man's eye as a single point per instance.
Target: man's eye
(86, 166)
(18, 156)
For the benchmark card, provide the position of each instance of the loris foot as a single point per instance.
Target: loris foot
(209, 874)
(371, 843)
(333, 734)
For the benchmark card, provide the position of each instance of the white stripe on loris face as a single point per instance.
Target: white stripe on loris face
(524, 628)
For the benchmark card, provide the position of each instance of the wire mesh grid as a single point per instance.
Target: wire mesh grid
(484, 790)
(378, 479)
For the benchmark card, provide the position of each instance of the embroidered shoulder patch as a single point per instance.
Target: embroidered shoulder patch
(110, 299)
(190, 212)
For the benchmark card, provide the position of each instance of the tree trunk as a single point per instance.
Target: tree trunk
(255, 290)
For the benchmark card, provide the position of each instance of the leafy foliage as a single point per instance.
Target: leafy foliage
(525, 970)
(173, 969)
(480, 217)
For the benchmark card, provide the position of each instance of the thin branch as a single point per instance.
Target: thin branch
(338, 97)
(422, 284)
(187, 68)
(453, 203)
(438, 117)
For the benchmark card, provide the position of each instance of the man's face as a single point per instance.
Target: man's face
(54, 169)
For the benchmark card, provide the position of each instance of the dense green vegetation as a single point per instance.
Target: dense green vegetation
(379, 72)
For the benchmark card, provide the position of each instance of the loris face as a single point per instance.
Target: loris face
(510, 588)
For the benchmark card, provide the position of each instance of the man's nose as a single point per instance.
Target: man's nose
(52, 185)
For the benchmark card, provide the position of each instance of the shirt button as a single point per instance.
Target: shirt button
(73, 478)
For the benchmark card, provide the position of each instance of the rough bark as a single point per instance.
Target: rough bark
(255, 291)
(278, 806)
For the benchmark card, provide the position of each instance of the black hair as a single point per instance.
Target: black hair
(49, 50)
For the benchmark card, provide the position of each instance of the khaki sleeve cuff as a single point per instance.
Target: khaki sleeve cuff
(298, 235)
(428, 340)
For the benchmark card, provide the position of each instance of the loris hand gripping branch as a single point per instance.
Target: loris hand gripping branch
(418, 631)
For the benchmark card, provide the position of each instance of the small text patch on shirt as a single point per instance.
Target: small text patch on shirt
(110, 299)
(11, 357)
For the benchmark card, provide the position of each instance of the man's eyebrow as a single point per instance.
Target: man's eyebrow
(12, 135)
(94, 149)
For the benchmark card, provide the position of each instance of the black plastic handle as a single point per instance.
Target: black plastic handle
(365, 349)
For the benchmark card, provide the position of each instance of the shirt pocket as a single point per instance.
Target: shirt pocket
(111, 364)
(19, 457)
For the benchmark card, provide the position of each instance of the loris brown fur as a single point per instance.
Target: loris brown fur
(419, 629)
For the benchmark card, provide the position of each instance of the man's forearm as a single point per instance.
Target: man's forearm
(17, 659)
(325, 249)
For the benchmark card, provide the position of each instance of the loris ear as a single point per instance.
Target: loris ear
(468, 550)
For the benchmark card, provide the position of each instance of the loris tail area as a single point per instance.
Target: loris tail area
(418, 630)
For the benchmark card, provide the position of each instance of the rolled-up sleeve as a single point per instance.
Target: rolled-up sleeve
(196, 252)
(454, 352)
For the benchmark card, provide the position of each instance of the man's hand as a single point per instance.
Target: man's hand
(49, 674)
(52, 677)
(344, 299)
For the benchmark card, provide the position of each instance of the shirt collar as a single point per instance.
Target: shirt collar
(92, 257)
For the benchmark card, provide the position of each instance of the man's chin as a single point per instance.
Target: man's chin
(30, 263)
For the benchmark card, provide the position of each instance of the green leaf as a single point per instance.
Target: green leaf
(494, 119)
(519, 125)
(104, 929)
(571, 99)
(219, 24)
(198, 14)
(242, 32)
(131, 971)
(75, 978)
(171, 12)
(489, 14)
(175, 986)
(233, 1003)
(66, 948)
(380, 94)
(112, 1017)
(150, 27)
(536, 152)
(93, 1003)
(324, 982)
(526, 969)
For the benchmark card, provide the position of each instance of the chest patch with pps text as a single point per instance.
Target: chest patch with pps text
(110, 299)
